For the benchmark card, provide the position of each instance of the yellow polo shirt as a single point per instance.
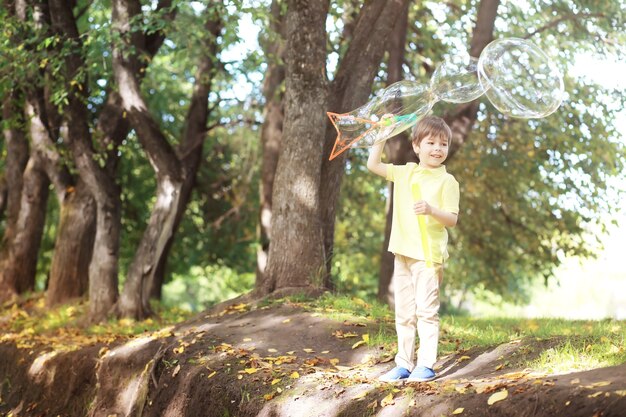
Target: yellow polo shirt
(440, 190)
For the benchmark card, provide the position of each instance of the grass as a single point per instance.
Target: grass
(64, 328)
(547, 345)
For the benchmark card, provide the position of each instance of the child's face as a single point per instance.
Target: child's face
(431, 151)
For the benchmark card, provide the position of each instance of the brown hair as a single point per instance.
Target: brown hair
(431, 126)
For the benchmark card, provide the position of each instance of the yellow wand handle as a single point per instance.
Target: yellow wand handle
(421, 221)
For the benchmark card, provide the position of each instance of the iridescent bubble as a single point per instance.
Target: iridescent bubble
(520, 79)
(456, 80)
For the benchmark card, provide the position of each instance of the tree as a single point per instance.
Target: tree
(173, 181)
(296, 251)
(271, 131)
(27, 192)
(306, 187)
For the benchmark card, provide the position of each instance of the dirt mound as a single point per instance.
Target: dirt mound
(282, 360)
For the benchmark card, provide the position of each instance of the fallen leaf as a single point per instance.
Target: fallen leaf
(286, 320)
(463, 358)
(212, 374)
(294, 375)
(460, 390)
(268, 396)
(325, 352)
(272, 350)
(359, 343)
(596, 394)
(334, 361)
(621, 392)
(412, 403)
(498, 396)
(251, 370)
(291, 352)
(176, 370)
(499, 367)
(458, 410)
(567, 403)
(575, 381)
(247, 339)
(308, 350)
(360, 395)
(279, 390)
(388, 400)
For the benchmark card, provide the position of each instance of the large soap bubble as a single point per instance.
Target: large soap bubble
(515, 75)
(456, 80)
(520, 79)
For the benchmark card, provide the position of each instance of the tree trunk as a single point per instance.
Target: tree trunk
(16, 160)
(73, 247)
(68, 277)
(170, 176)
(271, 133)
(193, 139)
(296, 255)
(16, 157)
(20, 250)
(350, 89)
(103, 265)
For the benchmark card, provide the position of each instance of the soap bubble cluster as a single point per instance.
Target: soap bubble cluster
(517, 77)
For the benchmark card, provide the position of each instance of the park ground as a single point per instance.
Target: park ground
(301, 357)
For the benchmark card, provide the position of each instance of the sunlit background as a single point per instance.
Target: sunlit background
(583, 288)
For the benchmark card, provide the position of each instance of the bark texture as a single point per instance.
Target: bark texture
(296, 255)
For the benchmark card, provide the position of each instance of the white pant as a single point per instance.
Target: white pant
(416, 292)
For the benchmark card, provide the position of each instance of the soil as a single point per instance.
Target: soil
(285, 360)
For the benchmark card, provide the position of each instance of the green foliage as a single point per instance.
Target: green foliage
(202, 287)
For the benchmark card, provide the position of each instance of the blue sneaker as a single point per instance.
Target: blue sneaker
(396, 374)
(421, 374)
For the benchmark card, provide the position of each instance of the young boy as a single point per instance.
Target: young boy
(419, 244)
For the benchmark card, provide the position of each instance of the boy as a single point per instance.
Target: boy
(427, 191)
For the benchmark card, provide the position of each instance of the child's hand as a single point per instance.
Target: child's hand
(387, 119)
(422, 207)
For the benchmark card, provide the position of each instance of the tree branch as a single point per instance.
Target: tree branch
(561, 19)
